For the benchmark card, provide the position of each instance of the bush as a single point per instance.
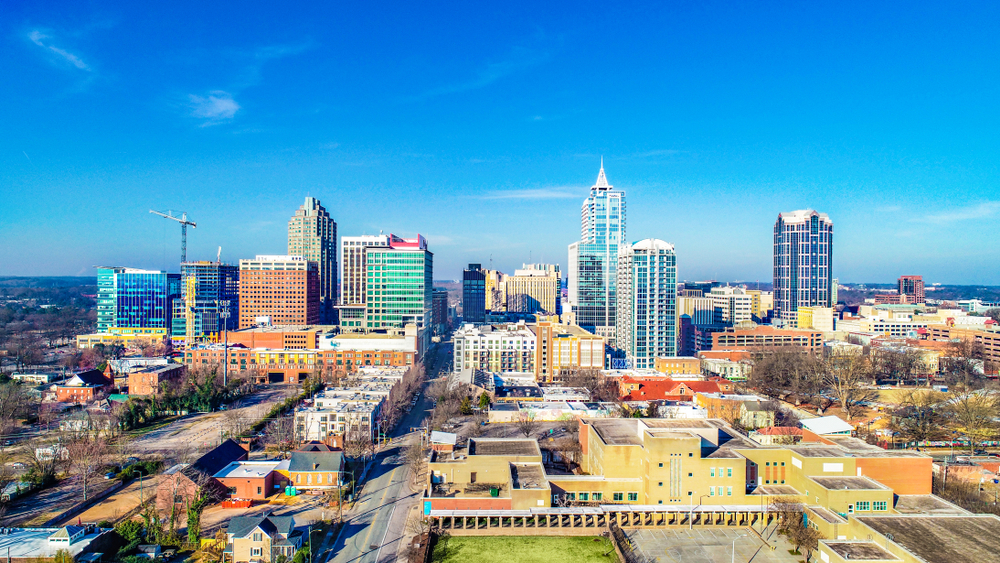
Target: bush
(145, 467)
(130, 530)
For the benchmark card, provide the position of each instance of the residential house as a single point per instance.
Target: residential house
(315, 470)
(262, 538)
(83, 387)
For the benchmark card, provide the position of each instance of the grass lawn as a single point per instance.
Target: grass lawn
(523, 549)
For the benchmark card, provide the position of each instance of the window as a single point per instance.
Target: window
(257, 536)
(584, 496)
(258, 490)
(862, 506)
(618, 497)
(255, 551)
(711, 491)
(570, 496)
(632, 497)
(711, 472)
(596, 496)
(879, 505)
(729, 491)
(729, 472)
(661, 464)
(661, 483)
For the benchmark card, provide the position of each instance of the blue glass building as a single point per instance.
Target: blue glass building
(128, 297)
(212, 281)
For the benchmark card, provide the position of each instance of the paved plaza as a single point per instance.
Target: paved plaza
(709, 545)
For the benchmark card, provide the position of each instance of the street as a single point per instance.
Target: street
(376, 526)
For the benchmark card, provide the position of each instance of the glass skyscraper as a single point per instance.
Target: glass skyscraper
(803, 263)
(399, 284)
(593, 261)
(647, 302)
(312, 234)
(212, 281)
(132, 298)
(474, 294)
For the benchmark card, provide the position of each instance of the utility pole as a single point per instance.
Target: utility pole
(223, 307)
(183, 220)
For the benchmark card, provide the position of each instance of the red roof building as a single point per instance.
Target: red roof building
(660, 389)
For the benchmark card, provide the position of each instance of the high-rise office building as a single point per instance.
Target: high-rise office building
(913, 288)
(593, 262)
(496, 290)
(440, 310)
(803, 263)
(400, 284)
(312, 234)
(280, 290)
(352, 256)
(535, 288)
(646, 326)
(730, 305)
(134, 298)
(203, 284)
(474, 294)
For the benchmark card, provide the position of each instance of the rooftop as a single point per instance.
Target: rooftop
(528, 476)
(503, 446)
(849, 483)
(926, 504)
(247, 470)
(860, 550)
(941, 539)
(33, 543)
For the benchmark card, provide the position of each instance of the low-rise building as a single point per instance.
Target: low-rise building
(677, 365)
(125, 336)
(665, 389)
(501, 349)
(315, 469)
(26, 545)
(180, 484)
(253, 480)
(154, 380)
(767, 337)
(564, 348)
(83, 387)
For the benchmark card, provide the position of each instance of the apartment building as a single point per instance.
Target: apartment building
(646, 326)
(503, 348)
(561, 348)
(279, 290)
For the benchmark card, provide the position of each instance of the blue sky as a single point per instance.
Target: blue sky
(482, 127)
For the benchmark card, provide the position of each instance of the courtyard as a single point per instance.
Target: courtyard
(710, 545)
(524, 549)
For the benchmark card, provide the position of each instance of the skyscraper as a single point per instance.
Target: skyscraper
(440, 312)
(474, 294)
(312, 234)
(535, 288)
(647, 302)
(284, 289)
(129, 297)
(400, 285)
(913, 288)
(203, 283)
(803, 263)
(593, 261)
(352, 256)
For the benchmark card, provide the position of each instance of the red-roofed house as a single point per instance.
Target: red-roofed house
(777, 435)
(659, 389)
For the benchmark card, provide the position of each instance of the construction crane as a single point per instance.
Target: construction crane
(183, 220)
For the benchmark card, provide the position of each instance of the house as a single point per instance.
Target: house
(180, 483)
(443, 441)
(262, 538)
(665, 389)
(827, 426)
(756, 414)
(315, 470)
(83, 387)
(248, 479)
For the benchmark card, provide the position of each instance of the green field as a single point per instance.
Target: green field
(523, 549)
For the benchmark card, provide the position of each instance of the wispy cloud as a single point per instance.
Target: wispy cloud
(658, 152)
(42, 40)
(982, 210)
(538, 193)
(218, 106)
(519, 58)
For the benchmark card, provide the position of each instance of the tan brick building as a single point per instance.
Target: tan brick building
(284, 289)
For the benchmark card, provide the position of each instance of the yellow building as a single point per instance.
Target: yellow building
(562, 347)
(496, 290)
(761, 303)
(125, 336)
(677, 365)
(816, 318)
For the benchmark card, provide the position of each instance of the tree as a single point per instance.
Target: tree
(975, 414)
(788, 373)
(653, 409)
(208, 493)
(900, 365)
(965, 363)
(484, 400)
(357, 442)
(601, 388)
(466, 407)
(849, 377)
(918, 417)
(804, 538)
(15, 403)
(525, 423)
(87, 455)
(280, 433)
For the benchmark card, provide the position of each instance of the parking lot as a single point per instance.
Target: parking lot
(712, 545)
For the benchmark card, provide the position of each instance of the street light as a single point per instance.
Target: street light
(734, 545)
(223, 307)
(691, 514)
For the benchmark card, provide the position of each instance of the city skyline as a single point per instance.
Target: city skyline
(713, 121)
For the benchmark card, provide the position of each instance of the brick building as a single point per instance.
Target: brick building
(282, 289)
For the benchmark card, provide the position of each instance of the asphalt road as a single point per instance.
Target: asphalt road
(376, 526)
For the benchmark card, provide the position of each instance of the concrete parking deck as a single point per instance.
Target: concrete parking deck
(708, 545)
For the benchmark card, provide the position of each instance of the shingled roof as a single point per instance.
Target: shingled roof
(215, 460)
(242, 526)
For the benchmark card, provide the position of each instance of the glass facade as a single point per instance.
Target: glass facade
(106, 298)
(399, 287)
(212, 282)
(593, 260)
(647, 311)
(145, 298)
(474, 294)
(803, 263)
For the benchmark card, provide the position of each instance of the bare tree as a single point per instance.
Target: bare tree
(975, 414)
(849, 376)
(87, 454)
(526, 424)
(280, 433)
(15, 402)
(919, 416)
(900, 365)
(603, 389)
(234, 420)
(357, 443)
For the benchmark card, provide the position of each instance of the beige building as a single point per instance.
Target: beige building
(817, 318)
(352, 260)
(761, 303)
(496, 290)
(700, 309)
(563, 347)
(534, 288)
(312, 234)
(262, 538)
(730, 305)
